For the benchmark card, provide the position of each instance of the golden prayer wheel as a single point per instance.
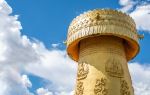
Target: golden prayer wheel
(102, 42)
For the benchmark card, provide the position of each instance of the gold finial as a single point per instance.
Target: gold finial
(65, 42)
(140, 36)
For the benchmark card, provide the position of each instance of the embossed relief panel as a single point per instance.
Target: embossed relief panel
(83, 71)
(114, 68)
(80, 88)
(100, 87)
(124, 88)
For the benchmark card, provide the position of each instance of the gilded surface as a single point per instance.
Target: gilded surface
(106, 61)
(114, 68)
(97, 17)
(101, 18)
(102, 30)
(95, 46)
(80, 88)
(106, 39)
(100, 87)
(102, 22)
(124, 88)
(83, 70)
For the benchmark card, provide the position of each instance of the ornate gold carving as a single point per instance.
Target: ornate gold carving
(102, 30)
(102, 22)
(100, 87)
(79, 89)
(99, 17)
(124, 88)
(114, 68)
(83, 70)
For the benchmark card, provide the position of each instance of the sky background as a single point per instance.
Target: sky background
(33, 60)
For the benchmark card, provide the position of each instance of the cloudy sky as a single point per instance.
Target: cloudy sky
(33, 60)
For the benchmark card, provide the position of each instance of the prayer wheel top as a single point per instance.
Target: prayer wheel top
(104, 22)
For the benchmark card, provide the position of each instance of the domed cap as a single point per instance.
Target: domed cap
(102, 22)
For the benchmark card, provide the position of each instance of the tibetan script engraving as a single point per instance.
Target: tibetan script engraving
(83, 70)
(100, 87)
(80, 88)
(124, 88)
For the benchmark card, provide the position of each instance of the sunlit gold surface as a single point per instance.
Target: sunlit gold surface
(102, 22)
(102, 58)
(102, 42)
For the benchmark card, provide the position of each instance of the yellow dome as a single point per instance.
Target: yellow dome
(102, 22)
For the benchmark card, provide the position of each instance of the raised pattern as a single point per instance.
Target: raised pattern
(100, 87)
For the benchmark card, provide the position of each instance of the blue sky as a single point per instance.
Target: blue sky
(34, 55)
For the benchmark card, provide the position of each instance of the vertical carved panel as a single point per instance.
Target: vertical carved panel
(83, 70)
(80, 88)
(114, 68)
(124, 88)
(100, 87)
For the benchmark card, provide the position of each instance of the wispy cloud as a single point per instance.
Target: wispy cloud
(43, 91)
(140, 76)
(56, 67)
(10, 55)
(141, 14)
(55, 45)
(19, 55)
(139, 10)
(127, 5)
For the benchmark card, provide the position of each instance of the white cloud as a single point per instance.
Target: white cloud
(55, 45)
(25, 81)
(65, 93)
(141, 14)
(127, 5)
(139, 10)
(1, 1)
(4, 8)
(43, 91)
(11, 83)
(141, 78)
(13, 53)
(56, 67)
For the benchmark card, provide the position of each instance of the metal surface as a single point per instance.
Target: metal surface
(102, 42)
(102, 22)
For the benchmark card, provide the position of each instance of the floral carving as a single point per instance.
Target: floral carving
(80, 88)
(83, 70)
(100, 87)
(114, 68)
(124, 88)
